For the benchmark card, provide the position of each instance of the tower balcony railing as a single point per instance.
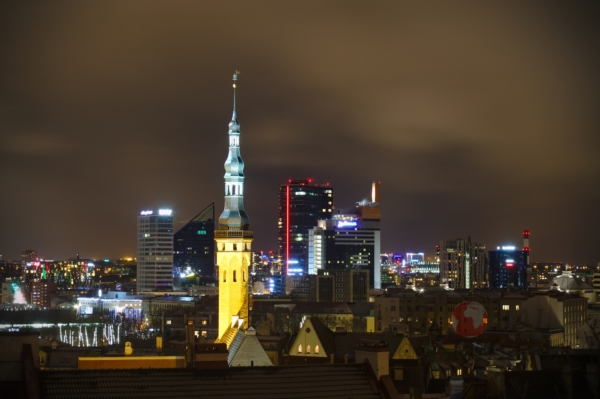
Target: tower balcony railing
(234, 234)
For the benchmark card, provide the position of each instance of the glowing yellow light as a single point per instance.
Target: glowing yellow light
(234, 85)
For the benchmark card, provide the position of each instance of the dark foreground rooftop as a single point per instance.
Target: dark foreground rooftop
(313, 381)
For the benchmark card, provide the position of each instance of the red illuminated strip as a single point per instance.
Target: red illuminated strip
(287, 230)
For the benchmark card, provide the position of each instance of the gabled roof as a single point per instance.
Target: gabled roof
(314, 381)
(246, 350)
(321, 335)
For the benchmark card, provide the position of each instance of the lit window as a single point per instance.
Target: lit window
(307, 348)
(300, 348)
(505, 307)
(317, 349)
(517, 307)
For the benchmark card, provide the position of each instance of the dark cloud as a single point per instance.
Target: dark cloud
(479, 119)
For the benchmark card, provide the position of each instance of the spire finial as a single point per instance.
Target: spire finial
(235, 78)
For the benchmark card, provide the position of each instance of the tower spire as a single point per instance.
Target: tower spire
(234, 216)
(235, 78)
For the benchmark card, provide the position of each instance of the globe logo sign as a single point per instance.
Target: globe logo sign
(469, 319)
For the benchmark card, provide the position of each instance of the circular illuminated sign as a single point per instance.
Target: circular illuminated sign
(469, 319)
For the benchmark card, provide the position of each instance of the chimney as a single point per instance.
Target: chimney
(377, 353)
(128, 349)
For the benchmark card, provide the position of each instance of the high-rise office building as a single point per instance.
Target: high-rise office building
(349, 240)
(508, 268)
(233, 238)
(463, 264)
(194, 244)
(301, 204)
(155, 251)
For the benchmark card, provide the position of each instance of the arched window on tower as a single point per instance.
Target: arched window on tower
(316, 349)
(234, 277)
(224, 276)
(300, 348)
(243, 276)
(233, 190)
(307, 348)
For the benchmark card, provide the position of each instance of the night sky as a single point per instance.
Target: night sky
(480, 119)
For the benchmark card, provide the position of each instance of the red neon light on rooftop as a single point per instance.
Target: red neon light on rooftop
(287, 231)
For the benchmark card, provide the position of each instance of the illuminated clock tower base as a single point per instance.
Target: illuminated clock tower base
(233, 259)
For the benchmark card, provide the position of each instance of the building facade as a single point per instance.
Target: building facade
(233, 238)
(463, 264)
(351, 239)
(508, 268)
(301, 204)
(155, 251)
(194, 244)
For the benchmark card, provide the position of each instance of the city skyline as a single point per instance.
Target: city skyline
(478, 120)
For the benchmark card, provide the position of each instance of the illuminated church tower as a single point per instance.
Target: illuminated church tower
(233, 240)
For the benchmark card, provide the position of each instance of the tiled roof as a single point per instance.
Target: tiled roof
(248, 351)
(345, 343)
(533, 385)
(294, 382)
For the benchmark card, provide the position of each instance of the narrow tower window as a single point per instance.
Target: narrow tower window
(307, 348)
(234, 276)
(224, 276)
(300, 348)
(317, 350)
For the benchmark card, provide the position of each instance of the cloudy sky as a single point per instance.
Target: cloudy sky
(480, 119)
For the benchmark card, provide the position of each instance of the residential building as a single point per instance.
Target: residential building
(463, 264)
(40, 293)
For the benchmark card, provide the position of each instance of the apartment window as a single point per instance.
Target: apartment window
(505, 307)
(393, 308)
(517, 307)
